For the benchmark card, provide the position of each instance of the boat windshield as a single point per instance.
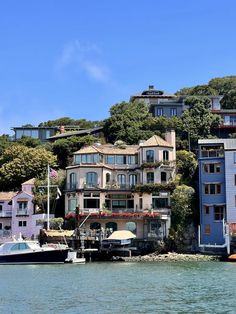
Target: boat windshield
(13, 246)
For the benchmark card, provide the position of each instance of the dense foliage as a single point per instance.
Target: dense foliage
(225, 86)
(19, 163)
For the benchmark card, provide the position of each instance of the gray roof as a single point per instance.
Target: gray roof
(229, 143)
(76, 133)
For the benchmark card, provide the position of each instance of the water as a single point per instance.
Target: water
(185, 287)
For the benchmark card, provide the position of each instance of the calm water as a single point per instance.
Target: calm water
(193, 287)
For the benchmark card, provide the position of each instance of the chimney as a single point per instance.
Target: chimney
(170, 138)
(62, 129)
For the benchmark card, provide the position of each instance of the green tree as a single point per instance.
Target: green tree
(82, 123)
(29, 141)
(181, 205)
(129, 122)
(198, 90)
(64, 148)
(198, 120)
(181, 216)
(186, 164)
(19, 163)
(4, 142)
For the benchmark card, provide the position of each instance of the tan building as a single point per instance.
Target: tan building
(124, 186)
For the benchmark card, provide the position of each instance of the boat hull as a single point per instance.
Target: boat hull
(37, 257)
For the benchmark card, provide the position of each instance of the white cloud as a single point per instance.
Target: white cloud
(85, 57)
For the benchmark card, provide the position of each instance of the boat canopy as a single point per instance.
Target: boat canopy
(122, 235)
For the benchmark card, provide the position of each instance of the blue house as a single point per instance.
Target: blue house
(217, 189)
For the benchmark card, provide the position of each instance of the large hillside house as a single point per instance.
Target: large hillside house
(124, 186)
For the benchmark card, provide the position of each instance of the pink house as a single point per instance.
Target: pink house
(6, 213)
(17, 213)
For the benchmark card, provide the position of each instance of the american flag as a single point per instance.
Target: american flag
(53, 173)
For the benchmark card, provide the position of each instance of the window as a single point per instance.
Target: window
(207, 209)
(121, 179)
(72, 184)
(235, 179)
(159, 111)
(91, 179)
(173, 112)
(108, 177)
(119, 204)
(163, 177)
(95, 225)
(0, 226)
(213, 188)
(132, 160)
(150, 155)
(111, 225)
(110, 159)
(87, 158)
(165, 155)
(22, 205)
(22, 223)
(92, 203)
(1, 206)
(132, 179)
(159, 203)
(120, 159)
(72, 203)
(131, 226)
(235, 157)
(150, 177)
(207, 229)
(212, 168)
(219, 212)
(140, 203)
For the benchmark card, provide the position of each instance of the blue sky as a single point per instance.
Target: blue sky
(77, 58)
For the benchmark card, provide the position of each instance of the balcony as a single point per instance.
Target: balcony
(22, 212)
(7, 213)
(119, 187)
(5, 233)
(212, 153)
(72, 186)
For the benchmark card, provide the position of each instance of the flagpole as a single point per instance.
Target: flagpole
(48, 200)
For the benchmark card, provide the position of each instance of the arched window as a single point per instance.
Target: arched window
(165, 155)
(91, 179)
(131, 226)
(163, 177)
(73, 179)
(150, 155)
(111, 225)
(95, 225)
(108, 177)
(132, 179)
(121, 180)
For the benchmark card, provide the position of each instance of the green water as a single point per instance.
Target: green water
(192, 287)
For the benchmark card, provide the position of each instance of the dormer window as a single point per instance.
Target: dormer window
(86, 158)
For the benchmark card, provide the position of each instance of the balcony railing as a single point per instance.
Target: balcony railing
(5, 233)
(22, 212)
(7, 213)
(212, 153)
(117, 186)
(72, 186)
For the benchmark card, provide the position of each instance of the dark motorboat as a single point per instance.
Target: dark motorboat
(30, 252)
